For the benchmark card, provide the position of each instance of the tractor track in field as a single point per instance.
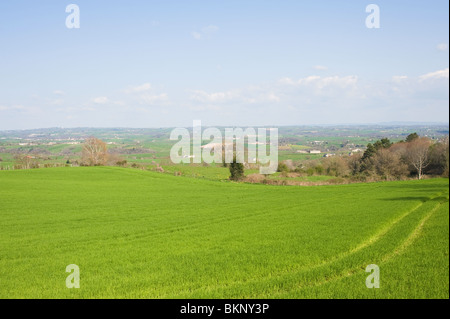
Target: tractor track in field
(347, 272)
(399, 250)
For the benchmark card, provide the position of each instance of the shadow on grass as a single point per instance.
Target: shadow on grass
(423, 199)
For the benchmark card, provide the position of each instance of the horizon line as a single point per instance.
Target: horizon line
(393, 123)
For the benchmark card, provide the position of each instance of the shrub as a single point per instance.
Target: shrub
(319, 169)
(358, 178)
(337, 180)
(121, 163)
(282, 167)
(236, 170)
(255, 178)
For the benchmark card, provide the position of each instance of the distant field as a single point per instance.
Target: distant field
(141, 234)
(293, 155)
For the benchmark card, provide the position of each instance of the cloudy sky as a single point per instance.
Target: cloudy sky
(166, 63)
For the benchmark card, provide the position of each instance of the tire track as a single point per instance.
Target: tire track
(344, 273)
(398, 251)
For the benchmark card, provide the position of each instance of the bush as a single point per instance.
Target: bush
(236, 170)
(121, 163)
(336, 166)
(337, 180)
(358, 178)
(319, 169)
(255, 178)
(282, 167)
(284, 174)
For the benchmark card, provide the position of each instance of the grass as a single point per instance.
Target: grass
(141, 234)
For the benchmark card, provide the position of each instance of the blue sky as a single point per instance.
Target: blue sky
(166, 63)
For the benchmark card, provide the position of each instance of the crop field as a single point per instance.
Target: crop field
(142, 234)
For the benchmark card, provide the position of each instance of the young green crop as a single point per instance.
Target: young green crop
(140, 234)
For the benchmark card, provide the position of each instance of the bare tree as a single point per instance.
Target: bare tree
(388, 164)
(354, 163)
(26, 161)
(417, 154)
(336, 166)
(438, 158)
(94, 152)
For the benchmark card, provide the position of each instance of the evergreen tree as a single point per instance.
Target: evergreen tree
(411, 137)
(369, 152)
(236, 170)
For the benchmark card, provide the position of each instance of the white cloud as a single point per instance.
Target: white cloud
(273, 97)
(399, 78)
(143, 94)
(326, 98)
(215, 97)
(56, 102)
(210, 29)
(286, 91)
(100, 100)
(140, 88)
(435, 75)
(196, 35)
(21, 109)
(320, 67)
(319, 83)
(13, 107)
(240, 96)
(442, 46)
(205, 33)
(286, 81)
(73, 109)
(153, 98)
(58, 92)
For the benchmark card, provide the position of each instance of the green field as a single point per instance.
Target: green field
(142, 234)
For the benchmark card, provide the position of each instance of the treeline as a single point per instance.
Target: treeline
(30, 162)
(415, 157)
(383, 160)
(94, 153)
